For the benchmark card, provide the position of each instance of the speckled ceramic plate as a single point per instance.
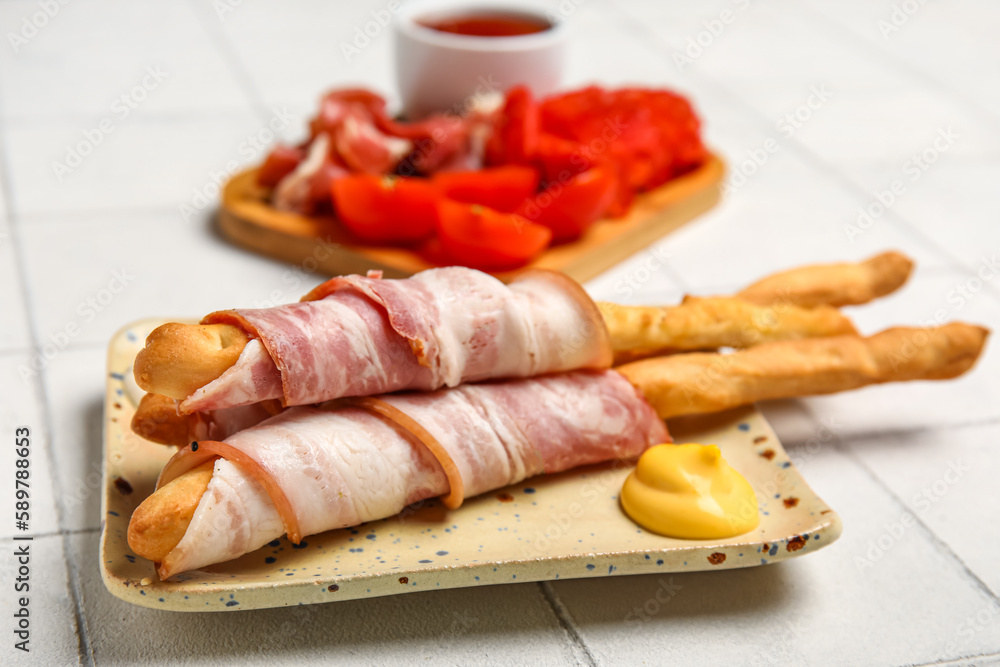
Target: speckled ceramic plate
(560, 526)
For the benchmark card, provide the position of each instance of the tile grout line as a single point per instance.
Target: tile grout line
(232, 59)
(814, 160)
(939, 543)
(953, 661)
(566, 621)
(84, 648)
(864, 435)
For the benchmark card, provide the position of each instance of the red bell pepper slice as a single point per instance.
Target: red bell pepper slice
(569, 208)
(481, 238)
(501, 188)
(386, 209)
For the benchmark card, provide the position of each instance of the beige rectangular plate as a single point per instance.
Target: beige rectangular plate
(551, 527)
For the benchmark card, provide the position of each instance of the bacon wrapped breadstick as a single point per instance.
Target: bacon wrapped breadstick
(308, 470)
(358, 336)
(694, 383)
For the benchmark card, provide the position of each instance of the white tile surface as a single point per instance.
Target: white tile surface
(947, 478)
(155, 265)
(945, 204)
(504, 625)
(823, 609)
(292, 56)
(785, 213)
(52, 612)
(907, 407)
(75, 381)
(108, 62)
(14, 333)
(20, 408)
(150, 163)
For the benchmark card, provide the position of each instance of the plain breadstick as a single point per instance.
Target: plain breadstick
(695, 383)
(833, 284)
(706, 323)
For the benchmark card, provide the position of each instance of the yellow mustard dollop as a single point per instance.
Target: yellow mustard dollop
(689, 491)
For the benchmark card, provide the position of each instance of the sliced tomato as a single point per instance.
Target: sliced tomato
(386, 209)
(279, 163)
(482, 238)
(514, 139)
(501, 188)
(571, 207)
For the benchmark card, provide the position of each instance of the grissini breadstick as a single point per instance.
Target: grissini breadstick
(833, 284)
(701, 323)
(692, 383)
(695, 383)
(179, 359)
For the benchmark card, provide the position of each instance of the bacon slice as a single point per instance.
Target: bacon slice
(360, 336)
(317, 470)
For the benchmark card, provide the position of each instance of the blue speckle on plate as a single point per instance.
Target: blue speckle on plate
(773, 551)
(112, 513)
(763, 562)
(659, 562)
(425, 560)
(529, 490)
(442, 553)
(232, 603)
(270, 559)
(301, 545)
(162, 600)
(130, 558)
(647, 556)
(130, 335)
(744, 427)
(370, 536)
(590, 566)
(786, 464)
(273, 543)
(118, 376)
(611, 568)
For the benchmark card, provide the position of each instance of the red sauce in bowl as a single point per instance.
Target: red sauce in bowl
(489, 24)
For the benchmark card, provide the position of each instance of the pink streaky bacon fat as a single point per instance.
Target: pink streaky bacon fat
(362, 335)
(308, 470)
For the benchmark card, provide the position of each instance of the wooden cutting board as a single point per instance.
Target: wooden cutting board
(321, 244)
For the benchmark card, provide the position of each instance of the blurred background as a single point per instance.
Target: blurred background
(848, 128)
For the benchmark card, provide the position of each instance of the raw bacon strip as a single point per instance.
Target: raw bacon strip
(320, 470)
(360, 336)
(253, 378)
